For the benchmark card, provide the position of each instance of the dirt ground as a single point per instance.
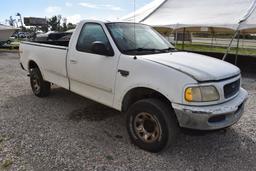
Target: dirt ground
(68, 132)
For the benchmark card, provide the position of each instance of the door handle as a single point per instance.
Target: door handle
(124, 73)
(72, 61)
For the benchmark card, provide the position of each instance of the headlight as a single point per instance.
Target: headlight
(201, 94)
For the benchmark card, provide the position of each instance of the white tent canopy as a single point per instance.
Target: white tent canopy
(249, 21)
(177, 14)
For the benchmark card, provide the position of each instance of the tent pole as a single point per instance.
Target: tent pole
(212, 37)
(183, 37)
(176, 38)
(237, 47)
(230, 44)
(243, 39)
(251, 10)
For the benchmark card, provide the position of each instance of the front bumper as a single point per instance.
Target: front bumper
(214, 116)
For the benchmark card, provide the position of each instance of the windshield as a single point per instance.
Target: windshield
(138, 39)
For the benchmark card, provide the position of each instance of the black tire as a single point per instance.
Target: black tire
(39, 87)
(162, 115)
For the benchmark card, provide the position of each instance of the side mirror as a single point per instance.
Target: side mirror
(100, 48)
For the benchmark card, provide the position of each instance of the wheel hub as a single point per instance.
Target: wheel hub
(147, 127)
(36, 85)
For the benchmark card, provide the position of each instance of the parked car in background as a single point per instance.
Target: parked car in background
(22, 35)
(131, 68)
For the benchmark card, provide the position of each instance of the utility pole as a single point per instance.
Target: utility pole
(20, 20)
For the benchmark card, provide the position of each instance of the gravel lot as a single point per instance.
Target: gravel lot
(68, 132)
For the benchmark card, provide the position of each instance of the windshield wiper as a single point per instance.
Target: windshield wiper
(141, 49)
(168, 49)
(150, 50)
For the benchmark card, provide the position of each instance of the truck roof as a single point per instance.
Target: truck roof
(106, 21)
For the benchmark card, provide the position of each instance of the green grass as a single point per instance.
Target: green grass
(205, 48)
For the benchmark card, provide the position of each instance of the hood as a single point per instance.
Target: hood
(200, 67)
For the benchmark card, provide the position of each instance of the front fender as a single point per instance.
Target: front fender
(143, 73)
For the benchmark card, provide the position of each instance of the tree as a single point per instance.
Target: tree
(54, 23)
(59, 27)
(65, 28)
(71, 26)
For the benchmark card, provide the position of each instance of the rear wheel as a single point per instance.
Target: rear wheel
(152, 125)
(39, 87)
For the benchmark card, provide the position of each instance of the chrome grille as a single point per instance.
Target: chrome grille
(231, 89)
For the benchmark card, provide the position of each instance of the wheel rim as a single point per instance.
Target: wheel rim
(36, 85)
(147, 127)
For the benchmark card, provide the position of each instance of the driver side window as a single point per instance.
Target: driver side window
(90, 33)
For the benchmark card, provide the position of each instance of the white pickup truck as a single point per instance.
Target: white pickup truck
(133, 69)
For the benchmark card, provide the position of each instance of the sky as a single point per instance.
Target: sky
(73, 10)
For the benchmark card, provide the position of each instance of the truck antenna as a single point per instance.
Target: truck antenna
(134, 29)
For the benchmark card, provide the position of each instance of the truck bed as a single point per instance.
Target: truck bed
(56, 43)
(52, 59)
(58, 39)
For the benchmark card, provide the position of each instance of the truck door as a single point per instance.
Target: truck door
(92, 75)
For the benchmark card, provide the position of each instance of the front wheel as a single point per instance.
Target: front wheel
(39, 87)
(152, 125)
